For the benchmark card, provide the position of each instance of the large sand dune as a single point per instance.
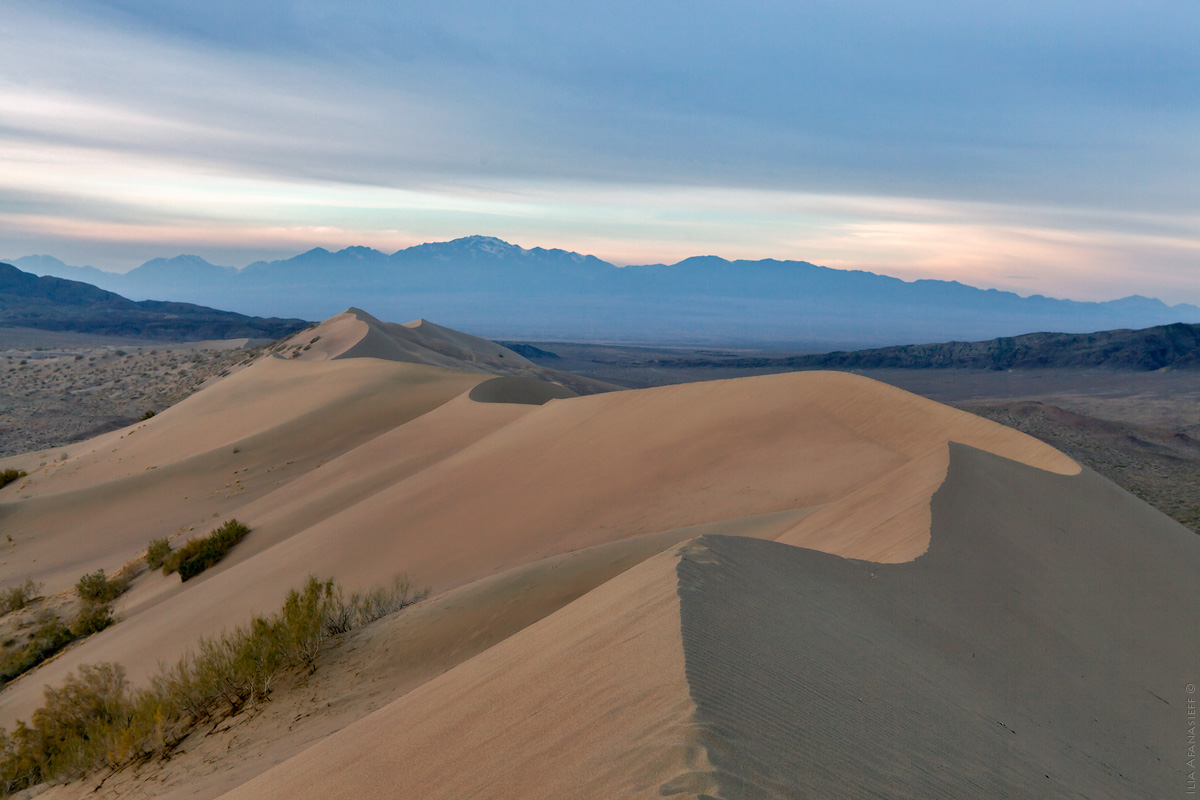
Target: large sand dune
(392, 448)
(991, 667)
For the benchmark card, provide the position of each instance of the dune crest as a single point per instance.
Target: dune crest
(694, 590)
(356, 334)
(797, 672)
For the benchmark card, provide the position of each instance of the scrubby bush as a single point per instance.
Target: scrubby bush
(50, 636)
(361, 609)
(96, 587)
(69, 733)
(201, 553)
(91, 618)
(94, 720)
(157, 552)
(9, 475)
(96, 593)
(149, 413)
(17, 597)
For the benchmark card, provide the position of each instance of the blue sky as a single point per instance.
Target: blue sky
(1039, 147)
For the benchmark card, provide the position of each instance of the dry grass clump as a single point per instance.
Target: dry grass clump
(202, 552)
(9, 475)
(94, 720)
(17, 597)
(157, 552)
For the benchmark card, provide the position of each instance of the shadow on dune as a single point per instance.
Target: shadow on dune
(1039, 649)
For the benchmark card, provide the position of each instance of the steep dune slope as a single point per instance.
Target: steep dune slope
(358, 466)
(454, 490)
(989, 667)
(205, 458)
(541, 715)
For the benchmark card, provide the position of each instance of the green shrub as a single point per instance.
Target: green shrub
(150, 413)
(201, 553)
(69, 734)
(50, 636)
(17, 597)
(92, 618)
(157, 552)
(9, 475)
(94, 720)
(96, 587)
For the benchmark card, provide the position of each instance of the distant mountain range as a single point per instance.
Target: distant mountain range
(1175, 346)
(494, 288)
(57, 304)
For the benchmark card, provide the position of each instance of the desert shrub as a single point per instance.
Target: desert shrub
(202, 552)
(96, 587)
(50, 636)
(17, 597)
(157, 552)
(149, 413)
(9, 475)
(95, 720)
(69, 733)
(91, 618)
(361, 609)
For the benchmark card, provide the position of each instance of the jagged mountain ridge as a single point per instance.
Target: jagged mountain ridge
(500, 289)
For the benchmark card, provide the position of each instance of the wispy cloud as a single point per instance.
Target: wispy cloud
(1047, 140)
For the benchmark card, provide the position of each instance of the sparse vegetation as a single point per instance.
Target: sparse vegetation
(157, 552)
(96, 587)
(95, 720)
(74, 393)
(96, 592)
(202, 552)
(92, 618)
(149, 413)
(10, 475)
(17, 597)
(50, 636)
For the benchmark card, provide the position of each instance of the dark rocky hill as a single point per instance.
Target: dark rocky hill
(55, 304)
(1174, 346)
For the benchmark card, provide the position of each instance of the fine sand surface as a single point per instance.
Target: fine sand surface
(559, 535)
(990, 667)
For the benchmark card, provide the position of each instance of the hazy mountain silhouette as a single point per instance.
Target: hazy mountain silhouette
(57, 304)
(495, 288)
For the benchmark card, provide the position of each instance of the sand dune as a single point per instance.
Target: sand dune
(452, 491)
(356, 334)
(975, 670)
(355, 461)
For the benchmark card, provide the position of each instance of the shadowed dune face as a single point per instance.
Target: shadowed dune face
(527, 391)
(1025, 655)
(1030, 653)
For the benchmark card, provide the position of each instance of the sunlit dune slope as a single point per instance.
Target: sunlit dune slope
(206, 457)
(1025, 655)
(362, 467)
